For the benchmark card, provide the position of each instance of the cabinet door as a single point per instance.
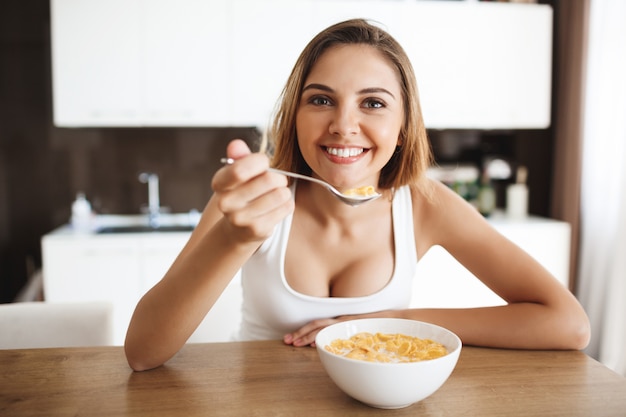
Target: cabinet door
(546, 240)
(138, 63)
(265, 43)
(96, 62)
(88, 269)
(186, 79)
(441, 281)
(480, 65)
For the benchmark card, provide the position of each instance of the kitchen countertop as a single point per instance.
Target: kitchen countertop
(101, 221)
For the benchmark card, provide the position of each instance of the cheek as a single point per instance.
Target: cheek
(306, 130)
(388, 133)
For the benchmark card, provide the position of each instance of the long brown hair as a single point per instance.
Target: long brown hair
(413, 156)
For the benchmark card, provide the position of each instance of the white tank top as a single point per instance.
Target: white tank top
(271, 308)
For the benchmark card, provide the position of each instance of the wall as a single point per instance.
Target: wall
(42, 167)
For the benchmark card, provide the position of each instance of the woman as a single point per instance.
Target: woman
(349, 115)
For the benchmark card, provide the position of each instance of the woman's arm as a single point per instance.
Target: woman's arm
(247, 203)
(541, 313)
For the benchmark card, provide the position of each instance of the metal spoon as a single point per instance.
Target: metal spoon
(352, 200)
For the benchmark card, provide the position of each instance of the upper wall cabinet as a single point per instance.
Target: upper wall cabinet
(191, 63)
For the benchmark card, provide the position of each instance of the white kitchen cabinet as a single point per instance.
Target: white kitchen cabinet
(441, 281)
(121, 267)
(479, 65)
(135, 63)
(265, 40)
(79, 268)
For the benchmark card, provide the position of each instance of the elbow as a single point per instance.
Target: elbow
(581, 334)
(137, 367)
(135, 362)
(577, 332)
(137, 357)
(139, 364)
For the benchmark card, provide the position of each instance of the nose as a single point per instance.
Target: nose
(345, 121)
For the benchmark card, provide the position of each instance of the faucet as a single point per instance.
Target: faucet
(154, 205)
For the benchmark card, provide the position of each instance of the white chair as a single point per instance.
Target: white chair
(42, 324)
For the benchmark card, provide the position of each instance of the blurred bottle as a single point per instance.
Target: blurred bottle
(486, 196)
(517, 195)
(82, 216)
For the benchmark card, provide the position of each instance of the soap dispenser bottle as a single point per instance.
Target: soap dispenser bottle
(517, 195)
(81, 213)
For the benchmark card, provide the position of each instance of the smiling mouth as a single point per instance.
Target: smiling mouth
(344, 152)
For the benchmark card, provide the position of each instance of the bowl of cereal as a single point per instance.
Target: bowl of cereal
(388, 363)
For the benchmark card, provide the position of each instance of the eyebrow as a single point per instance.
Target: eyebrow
(369, 90)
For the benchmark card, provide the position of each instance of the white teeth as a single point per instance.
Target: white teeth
(344, 152)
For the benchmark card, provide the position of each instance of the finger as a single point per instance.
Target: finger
(261, 193)
(257, 219)
(306, 334)
(237, 148)
(307, 340)
(245, 168)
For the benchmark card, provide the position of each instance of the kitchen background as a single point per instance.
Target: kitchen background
(42, 167)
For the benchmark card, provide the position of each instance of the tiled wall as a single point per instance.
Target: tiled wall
(106, 163)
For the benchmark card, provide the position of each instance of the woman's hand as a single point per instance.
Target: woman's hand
(305, 335)
(252, 199)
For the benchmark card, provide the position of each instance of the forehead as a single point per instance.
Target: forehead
(355, 62)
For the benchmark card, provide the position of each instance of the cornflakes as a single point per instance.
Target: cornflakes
(387, 348)
(364, 191)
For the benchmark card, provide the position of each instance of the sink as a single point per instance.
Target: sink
(168, 223)
(144, 229)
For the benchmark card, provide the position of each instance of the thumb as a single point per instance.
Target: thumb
(237, 148)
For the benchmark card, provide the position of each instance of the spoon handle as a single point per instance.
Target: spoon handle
(229, 161)
(299, 176)
(350, 200)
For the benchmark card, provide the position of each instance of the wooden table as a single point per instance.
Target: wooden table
(271, 379)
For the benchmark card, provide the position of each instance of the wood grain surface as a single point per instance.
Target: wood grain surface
(270, 379)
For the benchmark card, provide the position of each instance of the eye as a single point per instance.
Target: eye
(373, 103)
(320, 101)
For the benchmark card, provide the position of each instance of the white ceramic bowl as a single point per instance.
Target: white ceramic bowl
(388, 385)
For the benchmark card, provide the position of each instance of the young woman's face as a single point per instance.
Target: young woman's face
(350, 115)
